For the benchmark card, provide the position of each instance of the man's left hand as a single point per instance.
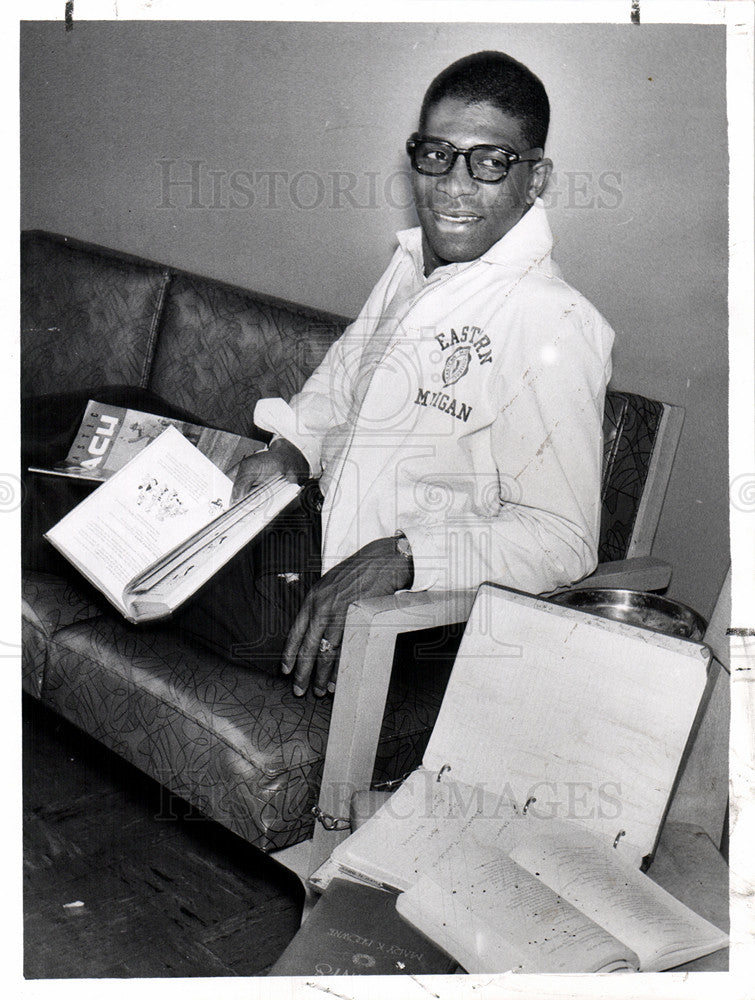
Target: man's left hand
(311, 652)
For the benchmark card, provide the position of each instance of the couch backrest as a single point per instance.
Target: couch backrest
(631, 426)
(92, 317)
(88, 317)
(221, 349)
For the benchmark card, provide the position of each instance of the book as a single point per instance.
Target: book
(161, 526)
(354, 930)
(559, 902)
(550, 714)
(326, 873)
(110, 436)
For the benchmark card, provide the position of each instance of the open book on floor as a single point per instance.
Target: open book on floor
(162, 526)
(560, 902)
(550, 714)
(110, 436)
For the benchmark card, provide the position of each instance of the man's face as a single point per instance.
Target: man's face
(461, 217)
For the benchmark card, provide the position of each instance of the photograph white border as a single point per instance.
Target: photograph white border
(737, 15)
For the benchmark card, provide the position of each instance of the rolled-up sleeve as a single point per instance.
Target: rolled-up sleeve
(323, 404)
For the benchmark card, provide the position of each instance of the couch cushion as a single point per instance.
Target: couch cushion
(88, 317)
(48, 603)
(234, 742)
(213, 336)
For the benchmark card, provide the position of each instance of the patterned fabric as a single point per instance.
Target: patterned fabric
(422, 664)
(234, 742)
(86, 318)
(630, 427)
(33, 654)
(47, 604)
(213, 337)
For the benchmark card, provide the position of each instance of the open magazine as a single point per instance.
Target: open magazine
(162, 526)
(110, 436)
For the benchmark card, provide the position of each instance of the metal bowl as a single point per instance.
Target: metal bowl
(637, 608)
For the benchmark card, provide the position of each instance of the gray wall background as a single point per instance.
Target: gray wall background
(291, 139)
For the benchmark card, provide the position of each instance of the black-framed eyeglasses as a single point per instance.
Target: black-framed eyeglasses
(489, 164)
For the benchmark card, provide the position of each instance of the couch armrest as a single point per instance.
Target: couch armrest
(359, 702)
(641, 573)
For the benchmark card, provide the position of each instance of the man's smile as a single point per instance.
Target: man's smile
(456, 218)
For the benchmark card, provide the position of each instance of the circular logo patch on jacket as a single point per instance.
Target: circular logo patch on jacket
(457, 365)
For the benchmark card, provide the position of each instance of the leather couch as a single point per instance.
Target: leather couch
(232, 741)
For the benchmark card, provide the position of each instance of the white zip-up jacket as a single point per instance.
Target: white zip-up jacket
(465, 410)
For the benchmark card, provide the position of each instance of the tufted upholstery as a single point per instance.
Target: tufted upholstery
(232, 741)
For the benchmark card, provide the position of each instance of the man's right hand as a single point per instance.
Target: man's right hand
(281, 459)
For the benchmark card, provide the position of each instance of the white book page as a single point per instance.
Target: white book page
(159, 499)
(421, 821)
(172, 583)
(660, 929)
(478, 948)
(494, 916)
(588, 716)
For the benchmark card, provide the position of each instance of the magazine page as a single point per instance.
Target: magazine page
(110, 436)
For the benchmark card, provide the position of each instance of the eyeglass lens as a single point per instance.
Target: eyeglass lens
(486, 163)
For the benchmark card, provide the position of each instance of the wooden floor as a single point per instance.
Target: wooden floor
(120, 880)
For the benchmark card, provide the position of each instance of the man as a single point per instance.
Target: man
(456, 424)
(455, 427)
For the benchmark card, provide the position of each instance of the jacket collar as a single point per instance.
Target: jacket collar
(527, 245)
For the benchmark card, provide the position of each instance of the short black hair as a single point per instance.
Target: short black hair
(501, 81)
